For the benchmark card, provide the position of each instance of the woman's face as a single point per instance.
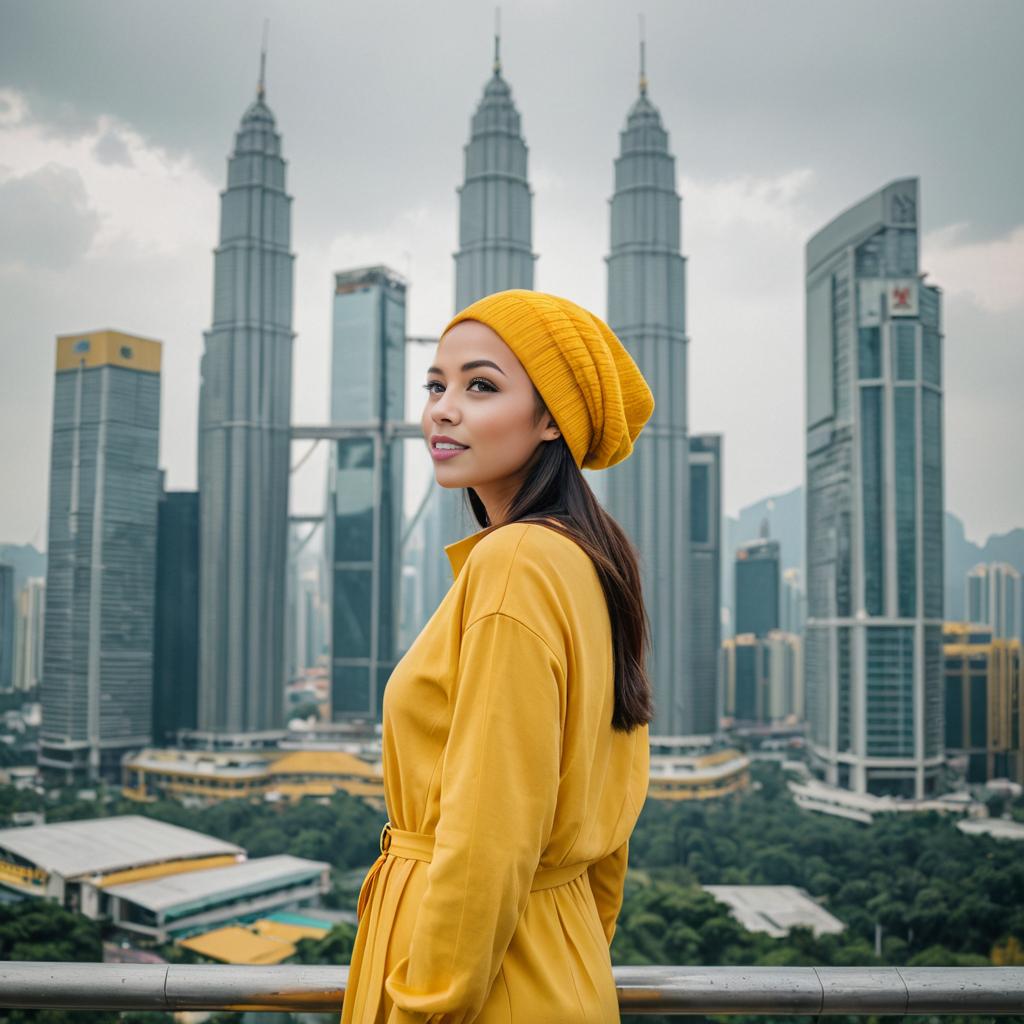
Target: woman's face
(480, 396)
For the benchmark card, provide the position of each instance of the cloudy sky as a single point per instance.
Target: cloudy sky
(116, 119)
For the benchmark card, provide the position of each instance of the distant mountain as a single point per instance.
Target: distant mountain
(27, 561)
(963, 554)
(785, 516)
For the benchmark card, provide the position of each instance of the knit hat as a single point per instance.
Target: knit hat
(588, 381)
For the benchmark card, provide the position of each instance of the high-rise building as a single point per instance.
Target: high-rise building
(176, 633)
(994, 596)
(874, 561)
(706, 576)
(495, 253)
(28, 644)
(762, 678)
(8, 632)
(96, 690)
(794, 602)
(649, 493)
(244, 441)
(756, 586)
(984, 701)
(744, 679)
(364, 519)
(783, 659)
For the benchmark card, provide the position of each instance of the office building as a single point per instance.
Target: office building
(874, 560)
(793, 611)
(994, 597)
(364, 519)
(28, 644)
(649, 493)
(96, 691)
(244, 442)
(176, 630)
(756, 587)
(8, 630)
(706, 575)
(495, 253)
(984, 702)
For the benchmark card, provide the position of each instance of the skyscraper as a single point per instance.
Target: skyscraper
(101, 554)
(364, 519)
(244, 442)
(793, 610)
(495, 253)
(649, 493)
(874, 562)
(994, 596)
(706, 573)
(28, 645)
(984, 701)
(756, 586)
(8, 630)
(176, 633)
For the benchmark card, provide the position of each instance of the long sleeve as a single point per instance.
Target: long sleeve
(607, 877)
(498, 792)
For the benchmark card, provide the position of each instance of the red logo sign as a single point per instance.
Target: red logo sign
(901, 298)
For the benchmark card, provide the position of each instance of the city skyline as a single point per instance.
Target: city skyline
(768, 202)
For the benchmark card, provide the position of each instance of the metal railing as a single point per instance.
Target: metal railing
(775, 991)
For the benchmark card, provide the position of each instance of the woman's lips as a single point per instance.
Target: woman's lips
(440, 454)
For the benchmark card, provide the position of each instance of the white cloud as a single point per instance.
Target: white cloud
(991, 273)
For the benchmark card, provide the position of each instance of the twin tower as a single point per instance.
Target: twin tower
(245, 415)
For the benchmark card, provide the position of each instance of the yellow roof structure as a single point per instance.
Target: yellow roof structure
(237, 945)
(107, 348)
(288, 932)
(322, 762)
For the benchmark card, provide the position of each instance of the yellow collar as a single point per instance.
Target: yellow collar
(458, 551)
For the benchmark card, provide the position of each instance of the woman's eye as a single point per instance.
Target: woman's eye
(431, 384)
(486, 383)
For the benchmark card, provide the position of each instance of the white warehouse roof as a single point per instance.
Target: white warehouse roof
(100, 845)
(160, 894)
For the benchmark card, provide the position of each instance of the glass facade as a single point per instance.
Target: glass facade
(705, 568)
(648, 493)
(176, 633)
(365, 491)
(97, 685)
(874, 501)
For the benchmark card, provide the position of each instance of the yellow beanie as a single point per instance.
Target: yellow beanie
(588, 380)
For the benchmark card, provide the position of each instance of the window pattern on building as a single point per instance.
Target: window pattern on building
(890, 691)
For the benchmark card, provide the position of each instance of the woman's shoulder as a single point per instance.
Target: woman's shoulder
(525, 542)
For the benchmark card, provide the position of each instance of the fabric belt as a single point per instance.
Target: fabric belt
(395, 842)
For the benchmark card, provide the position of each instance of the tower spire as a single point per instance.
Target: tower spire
(497, 40)
(261, 88)
(643, 61)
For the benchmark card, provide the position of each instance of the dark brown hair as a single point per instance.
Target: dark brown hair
(555, 488)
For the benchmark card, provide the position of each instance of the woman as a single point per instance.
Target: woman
(515, 727)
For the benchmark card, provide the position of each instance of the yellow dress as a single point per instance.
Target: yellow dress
(499, 752)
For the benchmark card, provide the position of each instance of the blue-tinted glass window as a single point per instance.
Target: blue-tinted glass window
(890, 691)
(903, 343)
(931, 503)
(872, 484)
(979, 711)
(954, 712)
(931, 357)
(869, 352)
(906, 499)
(699, 504)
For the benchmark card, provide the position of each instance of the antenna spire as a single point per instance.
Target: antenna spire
(497, 40)
(643, 60)
(261, 88)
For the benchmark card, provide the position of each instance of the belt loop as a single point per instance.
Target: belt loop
(386, 830)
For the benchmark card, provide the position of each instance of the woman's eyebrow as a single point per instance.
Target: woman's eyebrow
(470, 366)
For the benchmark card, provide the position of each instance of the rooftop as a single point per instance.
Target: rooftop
(161, 894)
(775, 908)
(101, 845)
